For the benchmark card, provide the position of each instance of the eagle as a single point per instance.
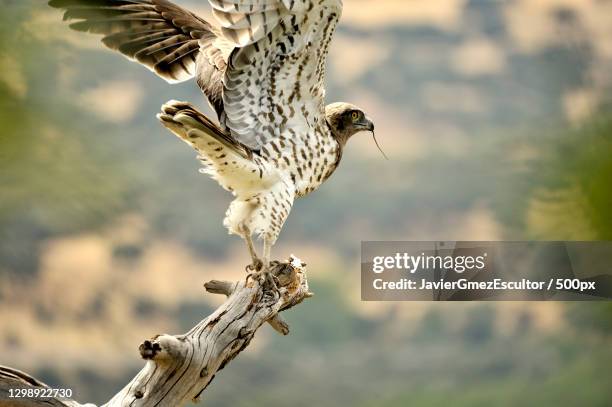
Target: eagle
(262, 69)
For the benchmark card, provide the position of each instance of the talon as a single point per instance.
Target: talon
(265, 278)
(254, 270)
(271, 283)
(248, 277)
(256, 266)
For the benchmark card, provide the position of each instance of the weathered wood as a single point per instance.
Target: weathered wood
(180, 367)
(16, 379)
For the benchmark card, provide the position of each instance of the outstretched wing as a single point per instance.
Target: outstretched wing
(274, 82)
(162, 36)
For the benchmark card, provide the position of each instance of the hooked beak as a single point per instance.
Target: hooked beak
(366, 124)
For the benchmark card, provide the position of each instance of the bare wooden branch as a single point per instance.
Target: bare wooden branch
(283, 272)
(279, 325)
(13, 379)
(179, 367)
(220, 287)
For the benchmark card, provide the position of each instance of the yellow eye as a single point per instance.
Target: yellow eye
(354, 116)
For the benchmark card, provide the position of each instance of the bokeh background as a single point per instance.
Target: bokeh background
(497, 117)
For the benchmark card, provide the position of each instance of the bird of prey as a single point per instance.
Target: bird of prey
(262, 68)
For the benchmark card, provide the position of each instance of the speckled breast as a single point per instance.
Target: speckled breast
(308, 161)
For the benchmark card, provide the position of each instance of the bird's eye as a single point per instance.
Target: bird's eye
(354, 116)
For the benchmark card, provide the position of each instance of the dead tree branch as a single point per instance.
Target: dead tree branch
(179, 368)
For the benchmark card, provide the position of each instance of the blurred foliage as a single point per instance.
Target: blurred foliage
(52, 181)
(65, 170)
(591, 318)
(581, 383)
(571, 192)
(561, 189)
(480, 327)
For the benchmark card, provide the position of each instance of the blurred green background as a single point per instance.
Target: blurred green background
(497, 118)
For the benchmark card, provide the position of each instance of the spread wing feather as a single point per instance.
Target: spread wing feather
(162, 36)
(247, 21)
(263, 70)
(274, 82)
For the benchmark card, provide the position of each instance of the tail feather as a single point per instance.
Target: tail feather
(234, 165)
(183, 114)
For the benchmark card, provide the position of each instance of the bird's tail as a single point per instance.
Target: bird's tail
(197, 130)
(235, 166)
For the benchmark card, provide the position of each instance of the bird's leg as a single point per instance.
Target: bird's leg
(267, 249)
(257, 263)
(260, 268)
(269, 279)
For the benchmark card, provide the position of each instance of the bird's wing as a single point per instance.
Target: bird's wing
(162, 36)
(273, 84)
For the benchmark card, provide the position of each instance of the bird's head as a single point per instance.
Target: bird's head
(345, 120)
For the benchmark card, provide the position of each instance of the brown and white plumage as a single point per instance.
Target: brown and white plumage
(263, 71)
